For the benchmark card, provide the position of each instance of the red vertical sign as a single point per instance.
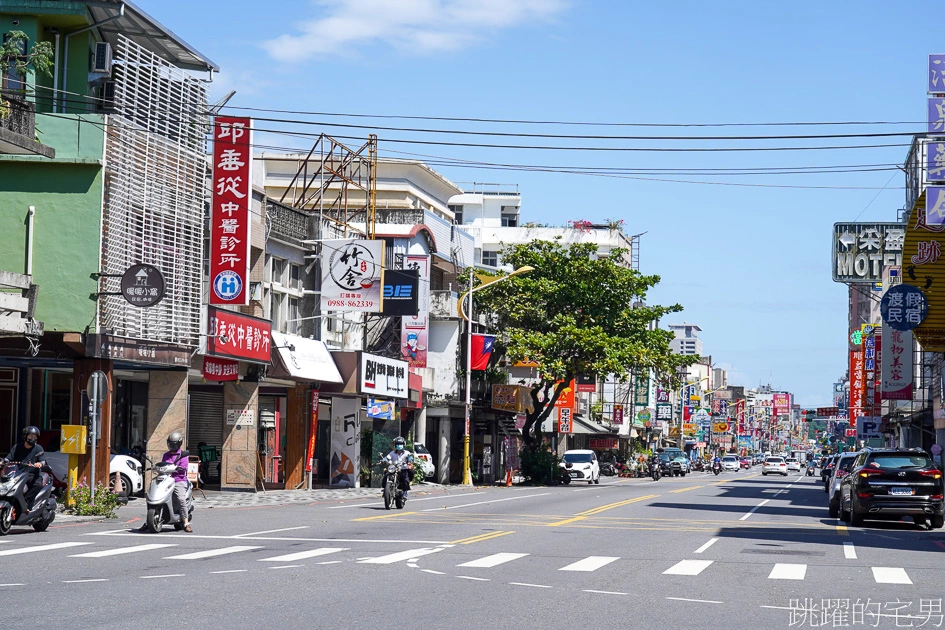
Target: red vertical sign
(312, 431)
(856, 386)
(230, 219)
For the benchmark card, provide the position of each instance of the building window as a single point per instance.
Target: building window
(490, 259)
(458, 213)
(292, 322)
(295, 276)
(278, 311)
(509, 220)
(12, 80)
(278, 269)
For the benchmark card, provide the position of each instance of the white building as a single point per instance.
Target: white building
(687, 340)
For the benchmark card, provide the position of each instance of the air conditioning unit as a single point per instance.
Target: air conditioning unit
(103, 58)
(107, 101)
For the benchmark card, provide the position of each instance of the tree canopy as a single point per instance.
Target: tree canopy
(578, 313)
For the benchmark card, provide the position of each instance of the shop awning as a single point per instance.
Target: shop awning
(305, 359)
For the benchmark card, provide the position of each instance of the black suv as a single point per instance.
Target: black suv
(892, 483)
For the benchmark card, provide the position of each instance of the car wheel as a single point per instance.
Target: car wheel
(937, 521)
(834, 508)
(856, 519)
(597, 481)
(844, 515)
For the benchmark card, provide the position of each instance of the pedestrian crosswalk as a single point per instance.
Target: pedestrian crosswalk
(445, 558)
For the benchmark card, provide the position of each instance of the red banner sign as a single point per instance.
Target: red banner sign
(312, 431)
(238, 336)
(618, 414)
(215, 369)
(603, 443)
(230, 219)
(856, 386)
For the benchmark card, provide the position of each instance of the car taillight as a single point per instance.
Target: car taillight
(864, 495)
(870, 473)
(934, 474)
(937, 497)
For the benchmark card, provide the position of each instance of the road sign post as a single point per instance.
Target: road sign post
(97, 389)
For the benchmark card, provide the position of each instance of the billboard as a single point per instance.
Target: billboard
(414, 328)
(861, 250)
(230, 207)
(897, 365)
(352, 275)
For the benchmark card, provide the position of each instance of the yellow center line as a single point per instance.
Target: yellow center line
(480, 538)
(685, 489)
(583, 515)
(842, 530)
(377, 518)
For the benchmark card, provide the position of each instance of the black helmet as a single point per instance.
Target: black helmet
(31, 430)
(175, 440)
(399, 441)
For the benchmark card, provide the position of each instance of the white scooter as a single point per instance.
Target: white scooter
(162, 500)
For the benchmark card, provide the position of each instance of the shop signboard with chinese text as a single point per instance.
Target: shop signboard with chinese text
(414, 328)
(230, 219)
(641, 390)
(345, 461)
(586, 383)
(922, 268)
(564, 420)
(142, 285)
(218, 370)
(781, 403)
(861, 250)
(897, 365)
(617, 417)
(352, 275)
(137, 350)
(856, 385)
(383, 377)
(515, 398)
(312, 430)
(237, 336)
(664, 411)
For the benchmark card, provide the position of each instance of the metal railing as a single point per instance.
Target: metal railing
(22, 118)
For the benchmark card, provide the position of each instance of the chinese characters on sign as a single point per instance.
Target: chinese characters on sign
(897, 365)
(856, 385)
(383, 377)
(641, 391)
(564, 420)
(936, 74)
(903, 307)
(312, 431)
(142, 285)
(220, 369)
(935, 161)
(861, 250)
(664, 411)
(413, 329)
(352, 275)
(618, 414)
(936, 116)
(345, 443)
(238, 336)
(229, 219)
(934, 207)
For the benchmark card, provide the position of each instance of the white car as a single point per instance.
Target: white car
(774, 466)
(793, 464)
(129, 468)
(424, 459)
(730, 462)
(582, 465)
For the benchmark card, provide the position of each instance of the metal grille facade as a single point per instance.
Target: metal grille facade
(155, 180)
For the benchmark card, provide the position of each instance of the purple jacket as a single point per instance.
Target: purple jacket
(180, 459)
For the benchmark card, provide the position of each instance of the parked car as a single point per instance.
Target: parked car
(128, 468)
(793, 464)
(582, 465)
(826, 468)
(745, 462)
(840, 470)
(893, 483)
(730, 462)
(424, 459)
(774, 466)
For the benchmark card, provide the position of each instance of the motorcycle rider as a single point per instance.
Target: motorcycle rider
(175, 455)
(30, 453)
(401, 456)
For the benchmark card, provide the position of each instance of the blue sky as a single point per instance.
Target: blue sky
(750, 262)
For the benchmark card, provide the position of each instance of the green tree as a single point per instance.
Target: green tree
(14, 56)
(577, 313)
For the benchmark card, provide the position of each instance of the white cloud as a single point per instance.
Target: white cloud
(416, 26)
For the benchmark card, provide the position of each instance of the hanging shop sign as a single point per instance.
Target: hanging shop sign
(401, 288)
(781, 403)
(662, 395)
(511, 398)
(380, 409)
(136, 350)
(857, 385)
(897, 365)
(352, 275)
(383, 377)
(586, 383)
(218, 370)
(664, 411)
(903, 307)
(237, 336)
(142, 285)
(861, 250)
(641, 390)
(230, 210)
(617, 415)
(414, 327)
(922, 269)
(564, 420)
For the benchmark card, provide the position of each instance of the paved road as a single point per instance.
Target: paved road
(738, 550)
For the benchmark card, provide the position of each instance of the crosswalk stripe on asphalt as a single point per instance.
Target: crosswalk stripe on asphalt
(400, 556)
(591, 563)
(785, 571)
(19, 550)
(212, 552)
(301, 555)
(493, 560)
(890, 575)
(121, 550)
(688, 567)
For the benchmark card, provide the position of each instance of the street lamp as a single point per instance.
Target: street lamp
(488, 281)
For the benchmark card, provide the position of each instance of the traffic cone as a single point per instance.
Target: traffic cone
(508, 478)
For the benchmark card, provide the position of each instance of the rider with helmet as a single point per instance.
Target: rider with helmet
(177, 456)
(401, 455)
(32, 454)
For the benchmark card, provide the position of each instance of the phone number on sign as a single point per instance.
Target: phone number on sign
(351, 304)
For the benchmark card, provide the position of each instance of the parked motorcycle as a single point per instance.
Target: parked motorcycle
(163, 505)
(607, 469)
(392, 492)
(13, 508)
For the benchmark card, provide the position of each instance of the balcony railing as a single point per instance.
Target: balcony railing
(18, 128)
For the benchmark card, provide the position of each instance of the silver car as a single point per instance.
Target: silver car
(840, 470)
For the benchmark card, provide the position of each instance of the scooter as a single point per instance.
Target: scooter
(607, 469)
(656, 472)
(810, 470)
(716, 467)
(13, 508)
(163, 505)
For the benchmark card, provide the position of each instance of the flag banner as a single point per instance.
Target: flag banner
(481, 351)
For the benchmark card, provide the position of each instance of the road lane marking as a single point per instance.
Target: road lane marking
(19, 550)
(154, 577)
(688, 567)
(456, 507)
(481, 537)
(374, 503)
(591, 563)
(401, 556)
(210, 553)
(752, 510)
(230, 571)
(699, 601)
(711, 542)
(469, 577)
(604, 592)
(432, 571)
(117, 552)
(526, 584)
(287, 566)
(330, 562)
(302, 555)
(890, 575)
(686, 489)
(842, 529)
(271, 531)
(12, 584)
(128, 532)
(849, 551)
(377, 518)
(580, 516)
(493, 560)
(783, 571)
(84, 581)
